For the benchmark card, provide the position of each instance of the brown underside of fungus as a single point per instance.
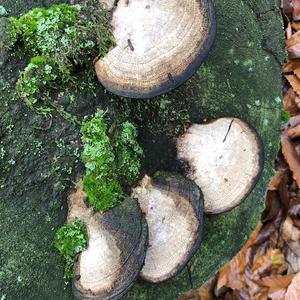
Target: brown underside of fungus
(116, 250)
(225, 159)
(173, 207)
(159, 45)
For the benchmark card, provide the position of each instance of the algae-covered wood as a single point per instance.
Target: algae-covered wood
(241, 78)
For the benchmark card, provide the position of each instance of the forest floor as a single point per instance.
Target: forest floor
(40, 158)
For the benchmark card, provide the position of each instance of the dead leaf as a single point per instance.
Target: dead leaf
(296, 26)
(291, 156)
(291, 65)
(294, 81)
(296, 9)
(294, 132)
(293, 292)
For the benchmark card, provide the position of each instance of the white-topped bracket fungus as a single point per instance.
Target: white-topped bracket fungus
(116, 249)
(159, 45)
(173, 206)
(225, 159)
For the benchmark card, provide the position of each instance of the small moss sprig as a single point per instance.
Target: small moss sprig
(70, 240)
(111, 162)
(128, 153)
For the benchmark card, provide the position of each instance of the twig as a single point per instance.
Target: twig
(228, 130)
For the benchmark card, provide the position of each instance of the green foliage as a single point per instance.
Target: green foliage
(109, 161)
(128, 153)
(37, 77)
(70, 240)
(103, 193)
(285, 116)
(58, 40)
(100, 183)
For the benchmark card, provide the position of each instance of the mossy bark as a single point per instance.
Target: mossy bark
(38, 158)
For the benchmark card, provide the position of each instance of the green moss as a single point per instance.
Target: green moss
(70, 240)
(285, 116)
(58, 40)
(110, 161)
(128, 153)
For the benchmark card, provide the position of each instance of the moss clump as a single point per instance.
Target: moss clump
(112, 162)
(59, 40)
(100, 182)
(128, 153)
(38, 76)
(70, 240)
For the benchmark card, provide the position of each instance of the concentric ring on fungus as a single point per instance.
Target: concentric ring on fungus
(109, 267)
(173, 207)
(225, 159)
(159, 45)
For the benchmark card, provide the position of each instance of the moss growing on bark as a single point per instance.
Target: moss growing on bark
(59, 40)
(111, 161)
(70, 240)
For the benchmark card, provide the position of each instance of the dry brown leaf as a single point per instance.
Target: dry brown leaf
(291, 65)
(293, 292)
(276, 281)
(277, 295)
(296, 25)
(294, 39)
(293, 42)
(289, 232)
(291, 156)
(297, 72)
(289, 102)
(296, 9)
(294, 132)
(277, 285)
(294, 82)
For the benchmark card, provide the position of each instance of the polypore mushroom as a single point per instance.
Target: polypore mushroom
(159, 45)
(116, 248)
(225, 159)
(173, 207)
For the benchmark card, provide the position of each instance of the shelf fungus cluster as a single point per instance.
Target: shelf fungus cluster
(159, 45)
(156, 232)
(225, 159)
(116, 248)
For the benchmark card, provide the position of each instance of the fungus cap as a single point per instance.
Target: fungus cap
(116, 249)
(225, 159)
(159, 45)
(173, 207)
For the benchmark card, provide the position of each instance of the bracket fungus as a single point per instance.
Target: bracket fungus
(173, 206)
(116, 250)
(159, 45)
(225, 159)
